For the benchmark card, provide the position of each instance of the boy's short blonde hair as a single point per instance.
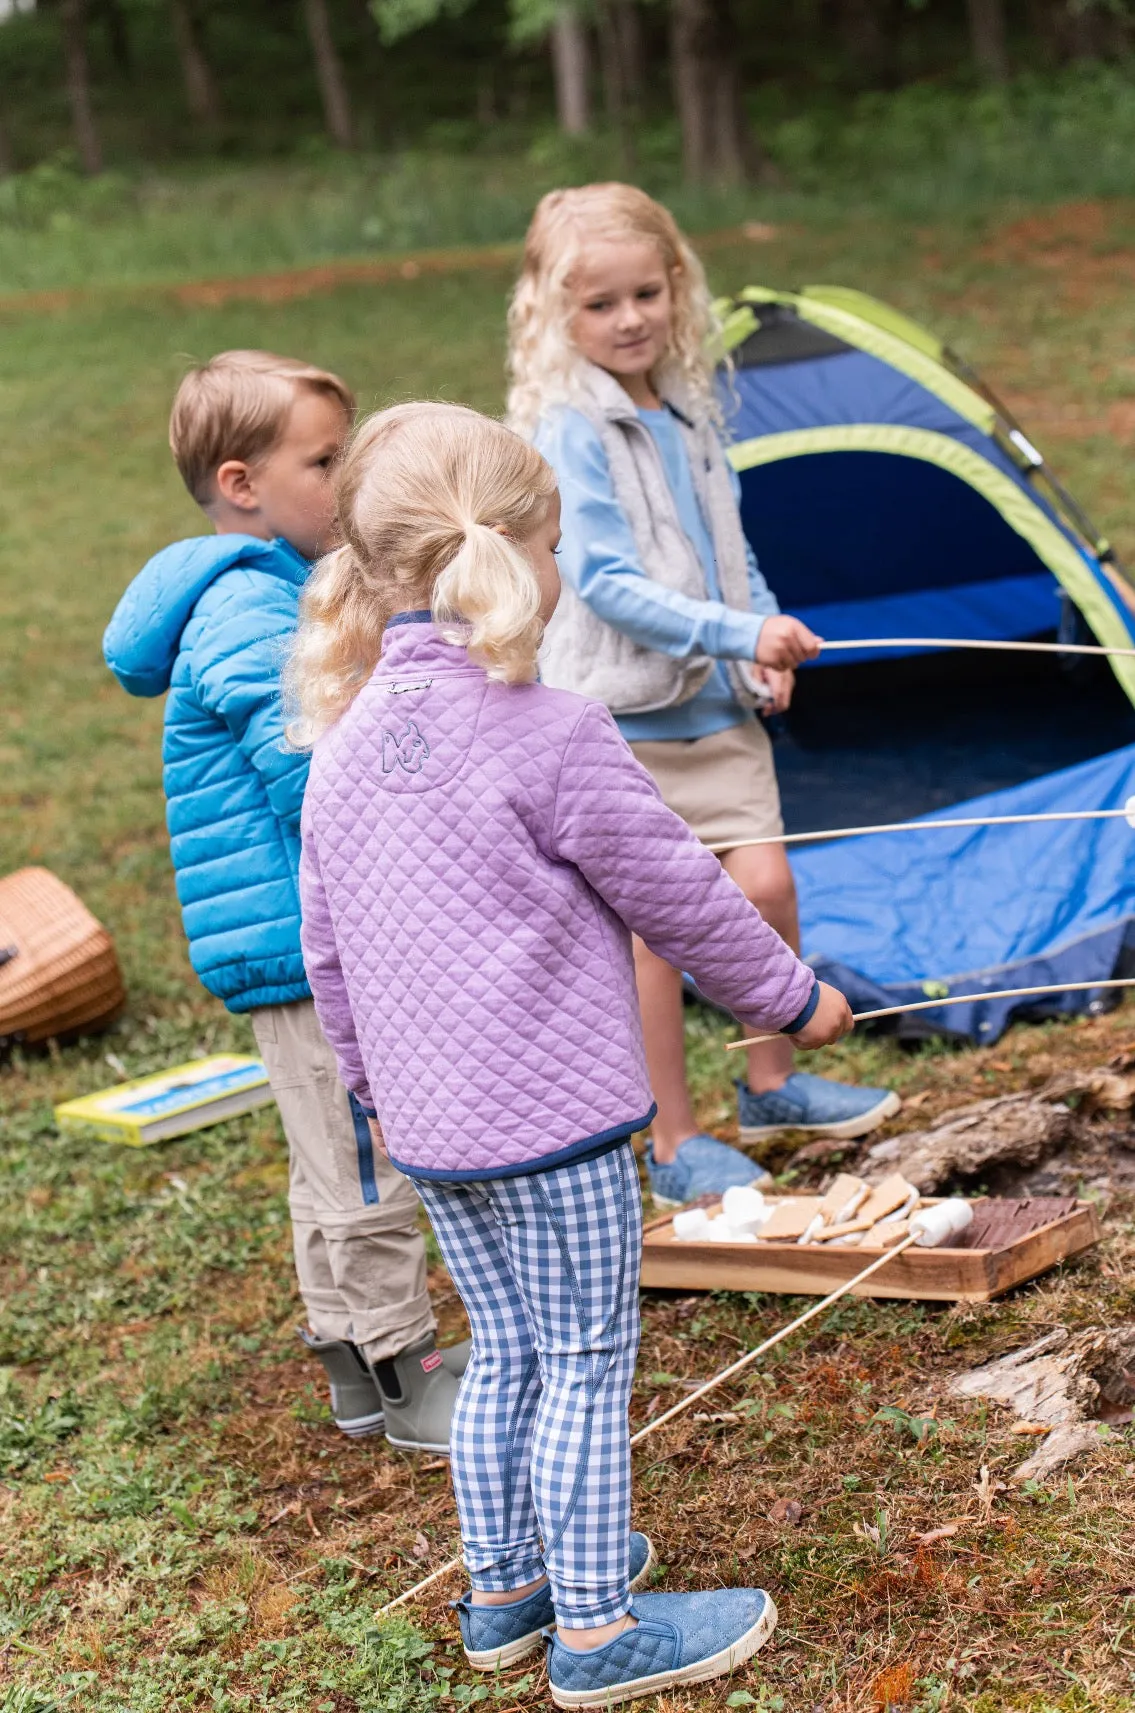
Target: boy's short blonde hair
(237, 406)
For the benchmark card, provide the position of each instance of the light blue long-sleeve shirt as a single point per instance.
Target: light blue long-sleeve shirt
(599, 559)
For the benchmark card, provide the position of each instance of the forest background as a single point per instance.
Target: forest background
(143, 138)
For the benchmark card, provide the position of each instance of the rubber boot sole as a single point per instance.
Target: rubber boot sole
(361, 1427)
(418, 1445)
(845, 1132)
(699, 1671)
(493, 1659)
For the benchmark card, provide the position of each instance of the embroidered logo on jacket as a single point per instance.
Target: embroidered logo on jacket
(407, 749)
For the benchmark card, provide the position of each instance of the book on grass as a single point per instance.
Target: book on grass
(171, 1103)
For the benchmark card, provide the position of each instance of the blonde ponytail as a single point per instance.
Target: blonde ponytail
(490, 589)
(435, 502)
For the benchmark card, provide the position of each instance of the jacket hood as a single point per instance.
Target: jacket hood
(143, 638)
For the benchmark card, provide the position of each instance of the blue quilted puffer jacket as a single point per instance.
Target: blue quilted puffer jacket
(209, 620)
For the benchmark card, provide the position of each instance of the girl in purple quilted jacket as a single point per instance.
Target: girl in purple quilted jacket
(477, 851)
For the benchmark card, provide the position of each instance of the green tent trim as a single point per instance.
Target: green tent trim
(1052, 547)
(882, 332)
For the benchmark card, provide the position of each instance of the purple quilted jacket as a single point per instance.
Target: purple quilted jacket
(474, 856)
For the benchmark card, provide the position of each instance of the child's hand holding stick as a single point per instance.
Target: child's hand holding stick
(785, 643)
(832, 1019)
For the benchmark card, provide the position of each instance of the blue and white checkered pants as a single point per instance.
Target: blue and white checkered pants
(548, 1267)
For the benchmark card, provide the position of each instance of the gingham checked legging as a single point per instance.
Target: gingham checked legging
(547, 1266)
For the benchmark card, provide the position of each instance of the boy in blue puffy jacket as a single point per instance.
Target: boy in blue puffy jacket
(255, 437)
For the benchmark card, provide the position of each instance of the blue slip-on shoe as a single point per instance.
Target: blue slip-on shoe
(679, 1638)
(703, 1166)
(805, 1102)
(496, 1636)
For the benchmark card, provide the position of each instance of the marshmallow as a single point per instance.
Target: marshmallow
(741, 1203)
(935, 1226)
(691, 1225)
(722, 1230)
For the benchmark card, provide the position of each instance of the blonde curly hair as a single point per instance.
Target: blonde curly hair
(543, 360)
(435, 502)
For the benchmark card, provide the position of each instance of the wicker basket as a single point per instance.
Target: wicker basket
(61, 975)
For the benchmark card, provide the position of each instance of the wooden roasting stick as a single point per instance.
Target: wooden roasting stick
(742, 1362)
(952, 999)
(977, 642)
(1127, 813)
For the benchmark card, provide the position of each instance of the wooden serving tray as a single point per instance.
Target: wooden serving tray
(1009, 1241)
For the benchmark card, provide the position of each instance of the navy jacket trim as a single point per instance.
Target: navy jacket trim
(420, 616)
(804, 1016)
(365, 1148)
(589, 1148)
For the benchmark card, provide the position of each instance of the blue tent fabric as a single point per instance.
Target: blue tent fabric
(974, 910)
(867, 539)
(870, 543)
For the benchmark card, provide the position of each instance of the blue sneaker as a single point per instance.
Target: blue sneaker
(679, 1638)
(703, 1166)
(496, 1636)
(806, 1102)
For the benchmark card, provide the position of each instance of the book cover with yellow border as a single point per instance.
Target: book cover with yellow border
(171, 1103)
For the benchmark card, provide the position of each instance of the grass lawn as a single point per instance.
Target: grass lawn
(180, 1525)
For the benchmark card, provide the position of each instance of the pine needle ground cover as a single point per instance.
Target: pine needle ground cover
(181, 1527)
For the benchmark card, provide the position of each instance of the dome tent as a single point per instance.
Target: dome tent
(887, 493)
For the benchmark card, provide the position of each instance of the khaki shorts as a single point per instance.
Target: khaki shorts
(723, 786)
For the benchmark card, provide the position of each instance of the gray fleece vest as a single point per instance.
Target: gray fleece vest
(581, 651)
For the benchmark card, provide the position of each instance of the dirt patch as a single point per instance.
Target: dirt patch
(286, 285)
(1070, 226)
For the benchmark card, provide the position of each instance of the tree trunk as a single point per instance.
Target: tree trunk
(201, 94)
(616, 93)
(329, 72)
(863, 28)
(485, 105)
(6, 163)
(570, 72)
(632, 50)
(73, 19)
(717, 143)
(691, 96)
(117, 35)
(987, 39)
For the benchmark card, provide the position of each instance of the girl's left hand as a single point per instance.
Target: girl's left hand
(377, 1138)
(781, 684)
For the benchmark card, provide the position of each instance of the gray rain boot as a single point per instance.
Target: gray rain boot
(356, 1402)
(418, 1391)
(456, 1356)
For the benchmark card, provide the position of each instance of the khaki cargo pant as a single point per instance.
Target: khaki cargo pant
(360, 1257)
